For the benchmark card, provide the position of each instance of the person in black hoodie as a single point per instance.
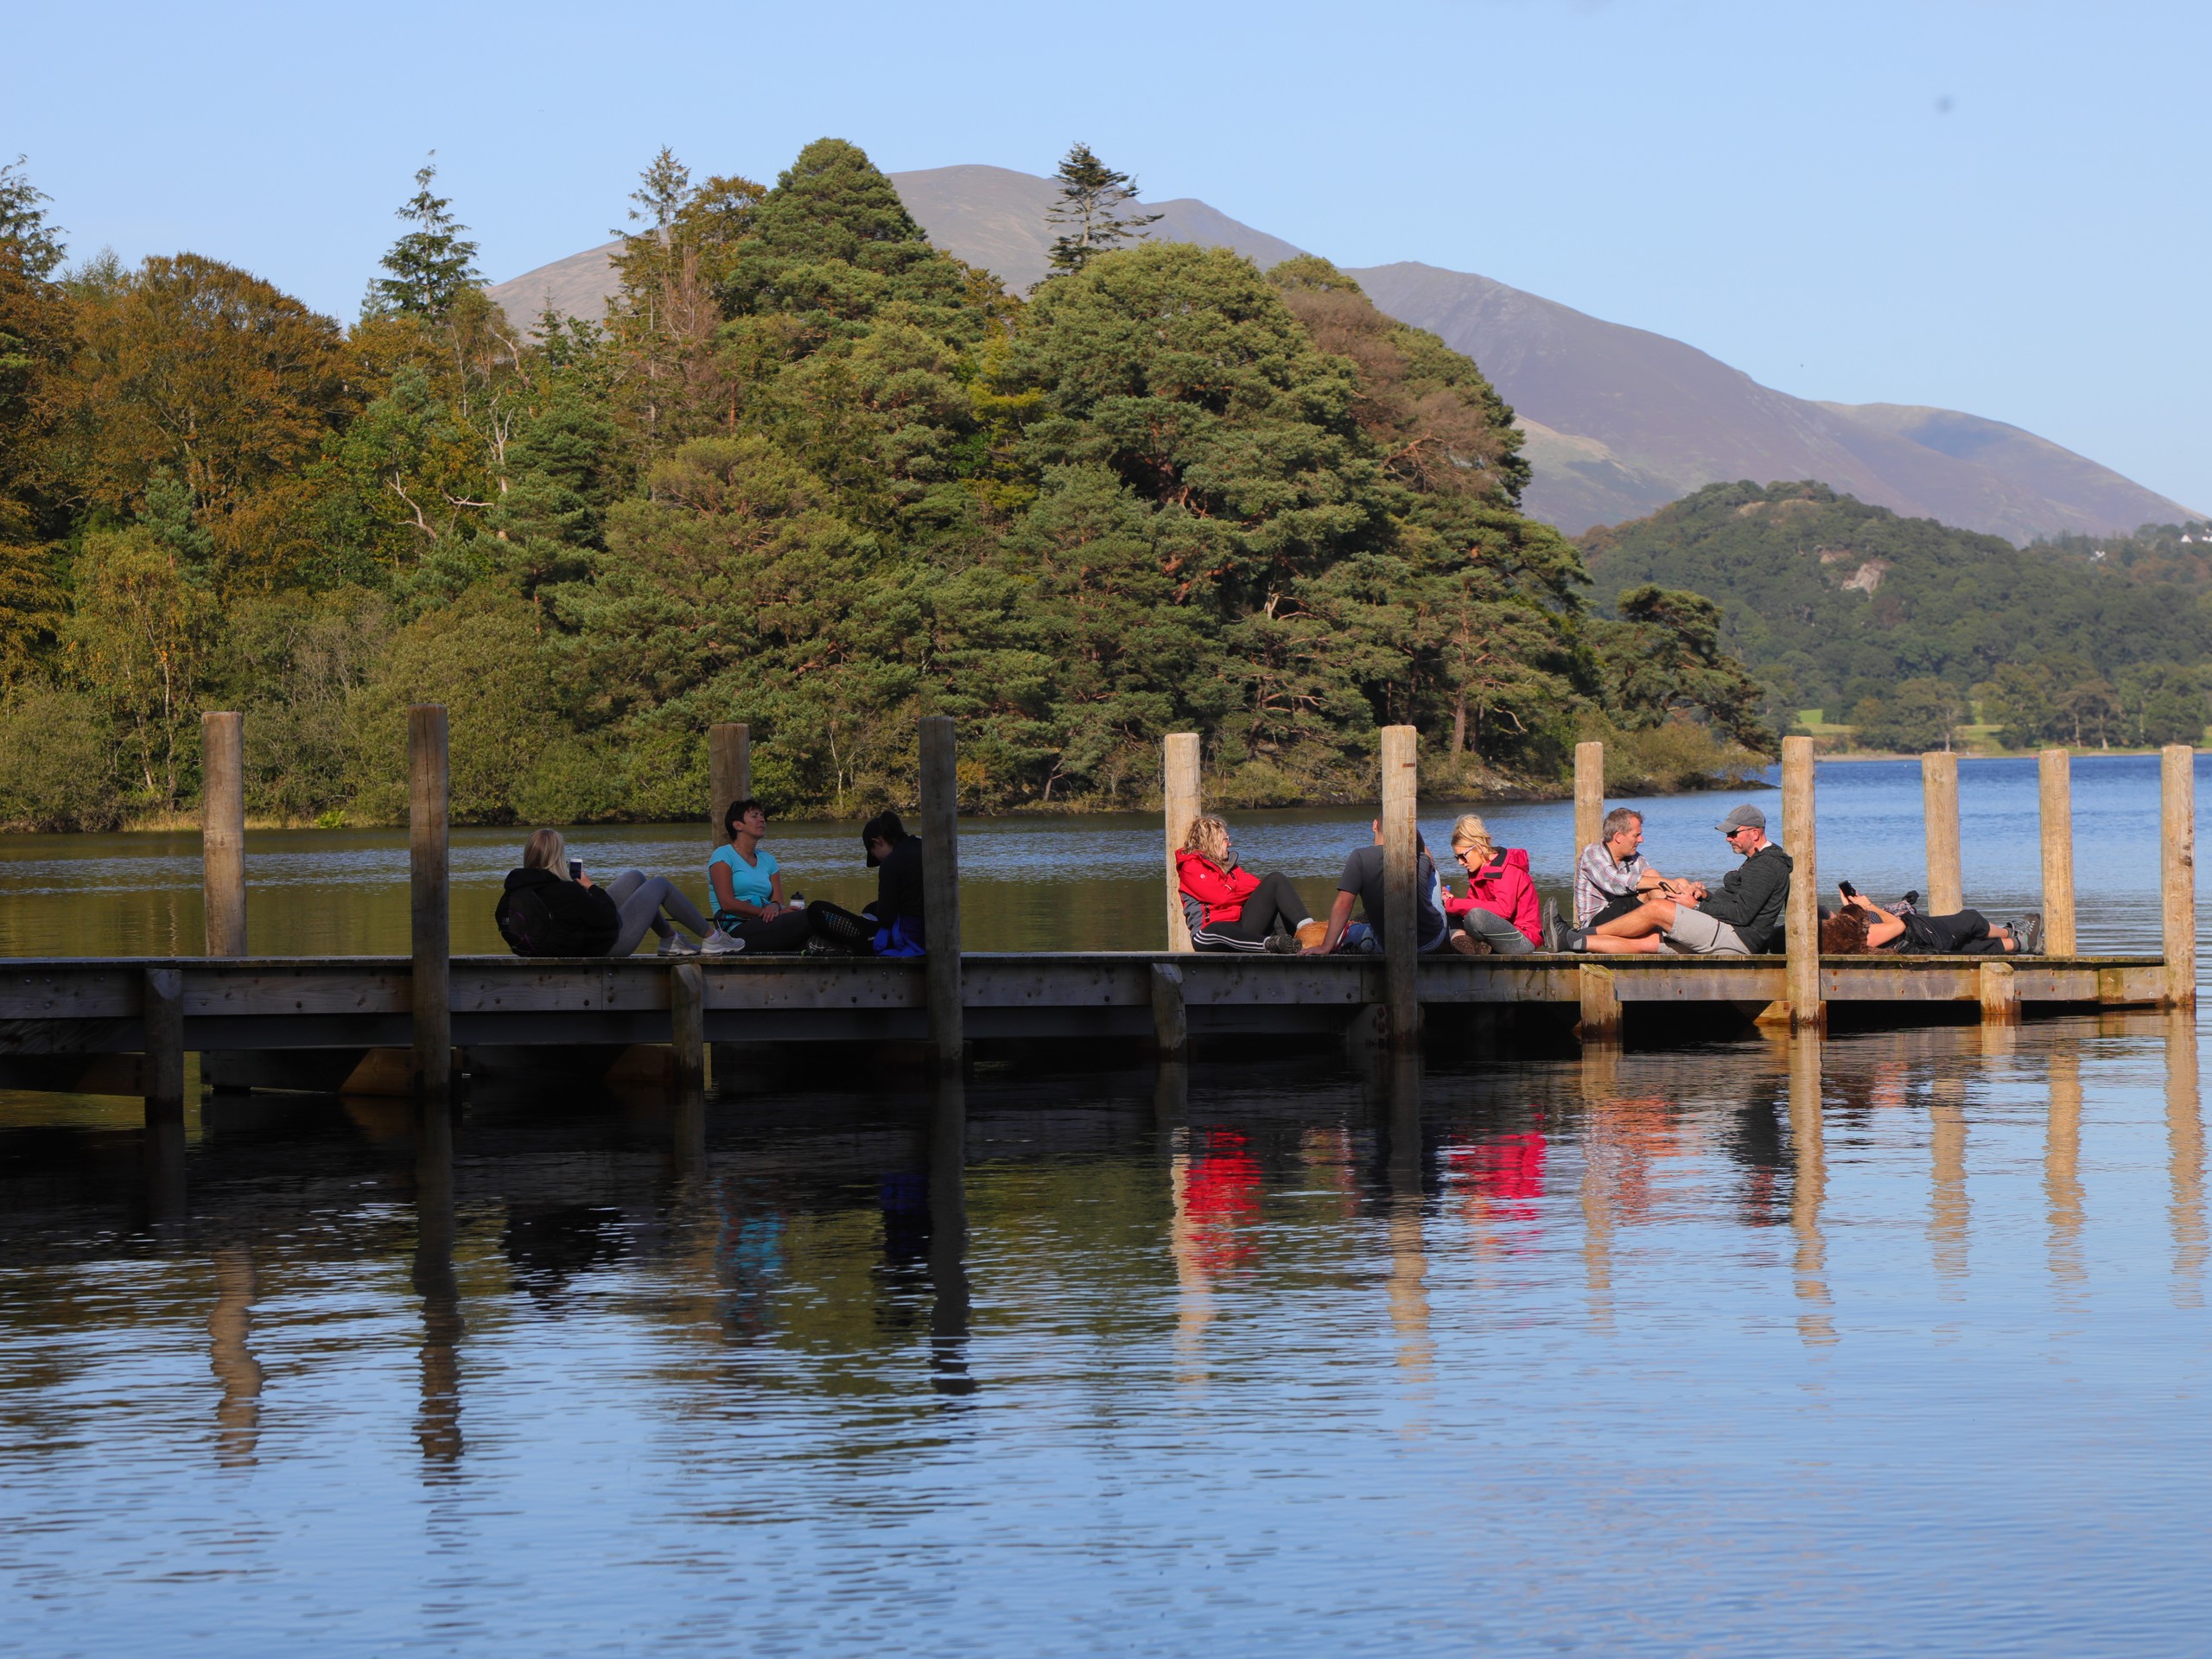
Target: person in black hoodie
(552, 909)
(896, 858)
(1744, 919)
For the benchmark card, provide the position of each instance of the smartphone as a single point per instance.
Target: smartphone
(576, 869)
(1846, 889)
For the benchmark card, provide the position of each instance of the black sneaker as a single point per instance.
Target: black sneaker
(1554, 926)
(1904, 907)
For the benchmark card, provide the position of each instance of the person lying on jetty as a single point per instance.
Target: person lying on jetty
(1861, 926)
(1497, 916)
(749, 904)
(551, 908)
(1363, 881)
(1742, 918)
(1228, 907)
(1612, 876)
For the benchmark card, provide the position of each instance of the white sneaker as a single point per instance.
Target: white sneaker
(676, 945)
(719, 944)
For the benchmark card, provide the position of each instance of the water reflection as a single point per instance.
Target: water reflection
(1808, 1189)
(1949, 1209)
(2186, 1152)
(437, 1418)
(2061, 1175)
(237, 1414)
(948, 1241)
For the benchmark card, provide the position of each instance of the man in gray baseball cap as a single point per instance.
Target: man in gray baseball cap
(1743, 918)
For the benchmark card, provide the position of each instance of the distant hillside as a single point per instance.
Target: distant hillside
(1619, 421)
(1825, 596)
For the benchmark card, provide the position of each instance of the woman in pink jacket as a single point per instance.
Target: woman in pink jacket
(1498, 915)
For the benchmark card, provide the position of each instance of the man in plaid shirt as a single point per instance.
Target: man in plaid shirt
(1611, 874)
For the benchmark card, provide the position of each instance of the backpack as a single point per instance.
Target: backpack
(525, 923)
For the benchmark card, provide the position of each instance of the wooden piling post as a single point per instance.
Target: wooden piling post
(1802, 914)
(1589, 795)
(1601, 1006)
(1171, 1024)
(163, 1015)
(1180, 803)
(941, 888)
(222, 830)
(1400, 885)
(429, 825)
(2177, 830)
(687, 1026)
(1939, 800)
(2054, 775)
(729, 771)
(2000, 994)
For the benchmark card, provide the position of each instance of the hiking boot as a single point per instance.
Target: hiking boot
(818, 946)
(719, 944)
(1281, 944)
(1554, 926)
(676, 945)
(1467, 945)
(2028, 933)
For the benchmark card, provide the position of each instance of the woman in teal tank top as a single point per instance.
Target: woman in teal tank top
(749, 888)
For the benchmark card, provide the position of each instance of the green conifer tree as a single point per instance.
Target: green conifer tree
(1092, 196)
(35, 244)
(432, 266)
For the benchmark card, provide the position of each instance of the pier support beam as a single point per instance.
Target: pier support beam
(1939, 799)
(222, 831)
(1589, 795)
(1400, 886)
(2054, 775)
(2177, 831)
(163, 1023)
(1179, 792)
(729, 771)
(1171, 1024)
(2000, 994)
(1802, 914)
(941, 889)
(1601, 1006)
(429, 802)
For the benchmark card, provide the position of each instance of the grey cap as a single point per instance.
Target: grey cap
(1741, 817)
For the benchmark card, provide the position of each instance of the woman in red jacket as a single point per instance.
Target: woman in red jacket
(1229, 908)
(1498, 916)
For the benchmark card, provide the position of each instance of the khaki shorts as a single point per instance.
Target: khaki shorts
(1696, 934)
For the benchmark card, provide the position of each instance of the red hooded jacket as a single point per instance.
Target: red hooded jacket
(1222, 892)
(1504, 886)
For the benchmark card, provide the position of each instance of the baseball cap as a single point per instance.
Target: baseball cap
(1744, 817)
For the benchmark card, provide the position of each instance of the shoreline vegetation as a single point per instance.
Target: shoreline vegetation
(811, 473)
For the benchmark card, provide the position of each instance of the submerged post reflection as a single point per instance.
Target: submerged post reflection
(1600, 1085)
(2062, 1174)
(1408, 1284)
(437, 1418)
(237, 1414)
(1949, 1208)
(949, 1309)
(2185, 1159)
(1808, 1187)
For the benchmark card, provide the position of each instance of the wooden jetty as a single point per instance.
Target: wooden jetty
(412, 1025)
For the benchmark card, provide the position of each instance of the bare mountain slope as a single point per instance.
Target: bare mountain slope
(1620, 421)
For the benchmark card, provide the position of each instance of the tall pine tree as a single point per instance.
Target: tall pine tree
(1092, 197)
(432, 266)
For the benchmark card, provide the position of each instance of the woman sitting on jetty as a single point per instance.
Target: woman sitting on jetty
(749, 887)
(1862, 926)
(551, 908)
(1228, 907)
(1498, 915)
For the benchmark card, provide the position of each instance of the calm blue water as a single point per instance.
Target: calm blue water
(1892, 1344)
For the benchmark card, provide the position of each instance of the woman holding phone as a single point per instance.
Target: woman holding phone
(551, 908)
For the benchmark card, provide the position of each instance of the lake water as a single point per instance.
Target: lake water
(1892, 1342)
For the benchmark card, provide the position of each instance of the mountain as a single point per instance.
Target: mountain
(1619, 421)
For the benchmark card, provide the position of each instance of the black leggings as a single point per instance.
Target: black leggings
(1273, 906)
(789, 931)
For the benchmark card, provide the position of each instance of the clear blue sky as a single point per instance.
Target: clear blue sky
(1998, 207)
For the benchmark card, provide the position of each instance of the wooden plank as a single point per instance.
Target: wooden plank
(207, 996)
(2055, 793)
(1179, 804)
(2178, 884)
(222, 831)
(1939, 800)
(110, 992)
(1801, 911)
(1400, 872)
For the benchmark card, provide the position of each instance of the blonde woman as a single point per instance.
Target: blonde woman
(551, 908)
(1229, 908)
(1497, 916)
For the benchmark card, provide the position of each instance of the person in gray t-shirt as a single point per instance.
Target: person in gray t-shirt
(1363, 881)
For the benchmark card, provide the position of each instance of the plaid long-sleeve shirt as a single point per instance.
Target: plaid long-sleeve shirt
(1599, 879)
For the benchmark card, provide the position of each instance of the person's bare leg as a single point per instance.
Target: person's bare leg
(1650, 945)
(1653, 916)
